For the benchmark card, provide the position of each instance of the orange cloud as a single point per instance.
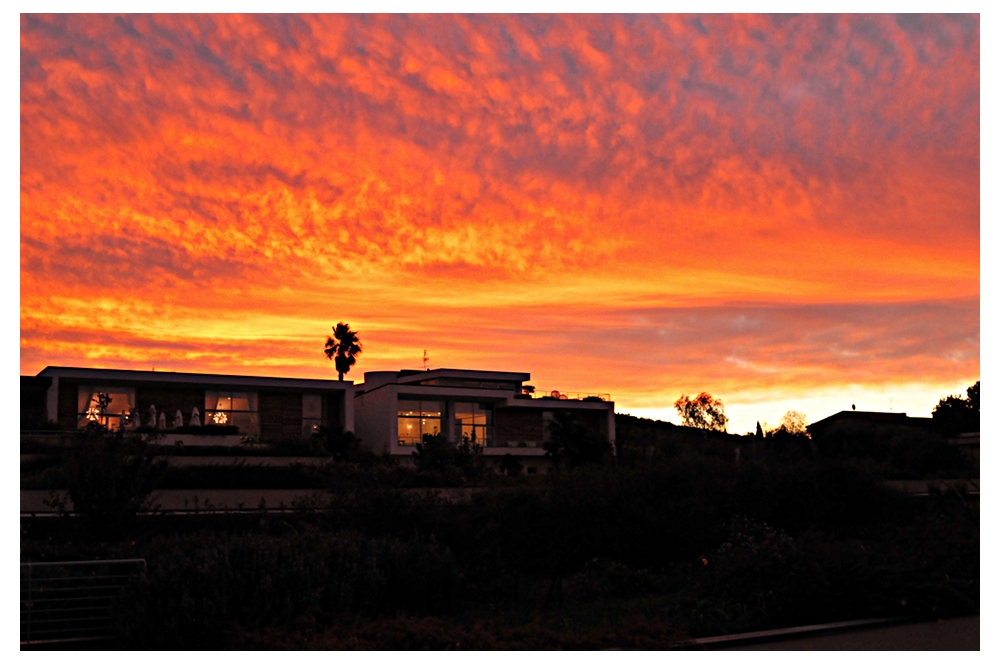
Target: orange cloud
(213, 192)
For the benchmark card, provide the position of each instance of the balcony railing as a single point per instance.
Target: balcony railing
(559, 395)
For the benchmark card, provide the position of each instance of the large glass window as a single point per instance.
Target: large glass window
(104, 405)
(227, 407)
(417, 418)
(475, 421)
(312, 413)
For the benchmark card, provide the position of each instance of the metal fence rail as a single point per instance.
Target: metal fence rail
(72, 601)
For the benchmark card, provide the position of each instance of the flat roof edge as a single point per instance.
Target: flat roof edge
(190, 377)
(419, 375)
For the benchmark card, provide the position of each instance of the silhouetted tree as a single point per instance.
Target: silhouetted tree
(790, 439)
(343, 348)
(793, 422)
(704, 411)
(953, 414)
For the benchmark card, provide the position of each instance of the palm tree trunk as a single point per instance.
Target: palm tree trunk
(341, 376)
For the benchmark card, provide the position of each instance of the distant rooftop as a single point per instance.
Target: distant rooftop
(870, 416)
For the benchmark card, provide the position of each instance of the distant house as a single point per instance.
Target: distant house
(395, 410)
(264, 408)
(876, 419)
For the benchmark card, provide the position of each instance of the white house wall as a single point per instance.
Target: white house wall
(375, 419)
(376, 413)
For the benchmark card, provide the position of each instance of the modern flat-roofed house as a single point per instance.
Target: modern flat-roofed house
(394, 410)
(265, 408)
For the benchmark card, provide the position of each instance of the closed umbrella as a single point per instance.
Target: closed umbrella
(195, 418)
(178, 419)
(162, 422)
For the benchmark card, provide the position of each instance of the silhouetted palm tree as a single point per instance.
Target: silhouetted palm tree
(343, 348)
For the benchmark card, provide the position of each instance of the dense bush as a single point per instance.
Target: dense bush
(199, 587)
(109, 477)
(761, 577)
(454, 463)
(245, 475)
(817, 495)
(646, 518)
(713, 545)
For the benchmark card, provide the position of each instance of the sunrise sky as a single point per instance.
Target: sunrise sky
(782, 211)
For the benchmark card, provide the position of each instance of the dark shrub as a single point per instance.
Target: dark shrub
(823, 494)
(452, 464)
(199, 587)
(341, 445)
(109, 478)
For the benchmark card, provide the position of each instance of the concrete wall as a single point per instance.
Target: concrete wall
(68, 397)
(375, 419)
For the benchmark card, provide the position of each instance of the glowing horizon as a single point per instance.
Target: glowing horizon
(778, 210)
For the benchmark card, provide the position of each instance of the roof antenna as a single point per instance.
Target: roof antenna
(426, 358)
(853, 408)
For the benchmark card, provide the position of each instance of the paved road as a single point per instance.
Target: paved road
(952, 635)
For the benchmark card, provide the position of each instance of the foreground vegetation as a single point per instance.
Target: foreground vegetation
(635, 552)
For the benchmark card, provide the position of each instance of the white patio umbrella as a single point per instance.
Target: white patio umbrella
(178, 419)
(152, 415)
(162, 422)
(195, 418)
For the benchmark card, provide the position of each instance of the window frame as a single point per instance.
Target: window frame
(311, 424)
(112, 417)
(252, 410)
(483, 415)
(424, 417)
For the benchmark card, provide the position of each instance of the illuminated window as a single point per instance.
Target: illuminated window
(475, 421)
(417, 418)
(226, 407)
(117, 400)
(312, 413)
